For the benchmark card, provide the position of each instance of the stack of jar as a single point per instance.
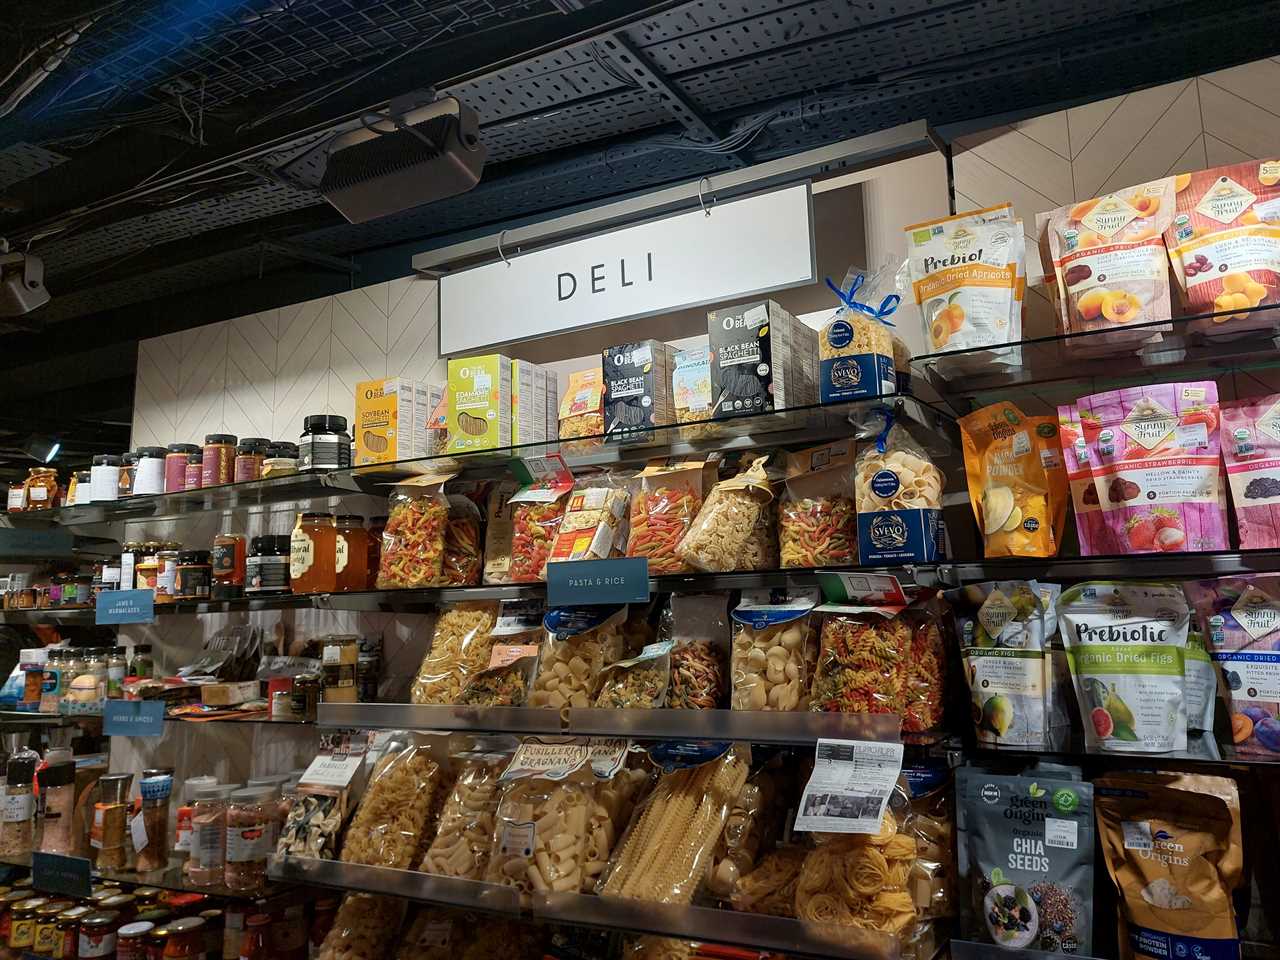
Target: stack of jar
(60, 590)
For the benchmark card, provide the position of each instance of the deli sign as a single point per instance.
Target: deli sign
(746, 247)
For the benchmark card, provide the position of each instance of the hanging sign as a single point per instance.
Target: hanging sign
(745, 247)
(125, 606)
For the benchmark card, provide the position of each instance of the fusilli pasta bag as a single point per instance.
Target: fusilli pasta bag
(537, 512)
(718, 537)
(363, 928)
(774, 650)
(580, 642)
(388, 826)
(862, 660)
(669, 499)
(460, 648)
(924, 690)
(413, 539)
(464, 839)
(817, 517)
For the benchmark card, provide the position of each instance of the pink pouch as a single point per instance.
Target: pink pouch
(1095, 535)
(1155, 464)
(1251, 449)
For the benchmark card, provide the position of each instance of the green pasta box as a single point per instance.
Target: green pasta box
(479, 403)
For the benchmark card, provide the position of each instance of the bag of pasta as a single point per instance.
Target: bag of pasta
(774, 650)
(460, 648)
(387, 829)
(613, 800)
(925, 809)
(537, 510)
(639, 683)
(647, 947)
(595, 521)
(433, 933)
(855, 348)
(513, 658)
(817, 519)
(697, 626)
(899, 498)
(669, 499)
(770, 888)
(498, 531)
(364, 927)
(463, 840)
(413, 539)
(582, 411)
(752, 828)
(463, 557)
(718, 537)
(580, 642)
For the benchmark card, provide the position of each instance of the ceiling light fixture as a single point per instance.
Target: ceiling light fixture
(43, 449)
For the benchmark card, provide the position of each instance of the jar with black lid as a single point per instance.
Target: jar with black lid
(194, 579)
(325, 443)
(104, 478)
(175, 465)
(124, 479)
(250, 453)
(148, 475)
(267, 566)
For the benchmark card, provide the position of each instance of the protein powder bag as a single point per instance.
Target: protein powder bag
(1126, 644)
(1025, 849)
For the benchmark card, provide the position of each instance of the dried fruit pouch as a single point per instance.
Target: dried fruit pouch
(1164, 849)
(1251, 451)
(964, 275)
(1156, 467)
(1025, 851)
(1125, 645)
(1239, 620)
(1109, 259)
(1224, 244)
(1017, 483)
(1092, 529)
(1004, 628)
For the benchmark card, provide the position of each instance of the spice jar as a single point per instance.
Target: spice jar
(340, 657)
(17, 499)
(131, 940)
(166, 576)
(97, 936)
(22, 922)
(40, 491)
(377, 525)
(227, 561)
(206, 860)
(151, 840)
(124, 478)
(218, 459)
(46, 933)
(175, 466)
(17, 825)
(312, 550)
(107, 835)
(117, 670)
(195, 575)
(142, 665)
(58, 791)
(194, 476)
(186, 939)
(184, 813)
(307, 691)
(250, 452)
(149, 474)
(104, 478)
(325, 443)
(250, 818)
(351, 553)
(68, 931)
(83, 481)
(267, 566)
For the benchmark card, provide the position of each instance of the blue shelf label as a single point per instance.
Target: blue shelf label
(55, 873)
(125, 606)
(133, 718)
(572, 583)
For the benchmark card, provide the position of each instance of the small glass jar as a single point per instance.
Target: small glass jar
(156, 786)
(142, 665)
(149, 475)
(166, 576)
(218, 459)
(46, 935)
(110, 813)
(124, 479)
(227, 561)
(193, 478)
(22, 922)
(17, 826)
(250, 452)
(186, 939)
(117, 670)
(146, 574)
(250, 824)
(351, 553)
(131, 940)
(83, 481)
(184, 813)
(340, 662)
(40, 491)
(377, 525)
(69, 931)
(213, 922)
(104, 478)
(207, 858)
(58, 794)
(325, 443)
(7, 903)
(97, 936)
(307, 692)
(267, 566)
(17, 496)
(175, 466)
(195, 575)
(84, 590)
(256, 933)
(312, 550)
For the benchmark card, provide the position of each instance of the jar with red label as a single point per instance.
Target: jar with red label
(98, 935)
(175, 466)
(69, 931)
(250, 453)
(218, 459)
(194, 477)
(250, 833)
(131, 940)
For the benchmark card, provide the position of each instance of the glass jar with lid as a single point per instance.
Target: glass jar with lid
(351, 553)
(250, 452)
(149, 473)
(22, 923)
(83, 493)
(166, 576)
(281, 460)
(207, 858)
(312, 550)
(41, 488)
(227, 561)
(46, 933)
(131, 940)
(124, 478)
(250, 823)
(110, 812)
(98, 935)
(69, 930)
(130, 553)
(17, 498)
(175, 466)
(267, 566)
(142, 665)
(194, 477)
(218, 463)
(104, 478)
(186, 939)
(194, 579)
(325, 443)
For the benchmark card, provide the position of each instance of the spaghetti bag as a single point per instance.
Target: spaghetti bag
(817, 519)
(537, 510)
(639, 683)
(1251, 449)
(387, 829)
(698, 627)
(855, 348)
(774, 650)
(595, 521)
(718, 537)
(669, 499)
(460, 648)
(413, 540)
(463, 558)
(1164, 850)
(1017, 487)
(898, 492)
(580, 642)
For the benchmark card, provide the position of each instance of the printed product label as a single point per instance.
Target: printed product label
(996, 612)
(1137, 835)
(323, 453)
(900, 536)
(516, 840)
(1250, 676)
(1257, 614)
(1008, 693)
(1150, 426)
(19, 808)
(97, 945)
(860, 375)
(435, 934)
(850, 786)
(1172, 946)
(302, 553)
(208, 843)
(249, 843)
(1225, 200)
(266, 573)
(138, 832)
(1064, 834)
(22, 933)
(341, 553)
(1109, 216)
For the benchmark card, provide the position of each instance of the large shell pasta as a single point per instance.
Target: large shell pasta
(460, 648)
(718, 537)
(771, 664)
(363, 929)
(464, 839)
(612, 803)
(540, 835)
(919, 483)
(573, 660)
(389, 824)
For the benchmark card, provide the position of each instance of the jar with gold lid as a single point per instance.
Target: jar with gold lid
(40, 489)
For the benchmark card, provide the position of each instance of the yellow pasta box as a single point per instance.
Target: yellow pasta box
(1017, 480)
(479, 403)
(390, 422)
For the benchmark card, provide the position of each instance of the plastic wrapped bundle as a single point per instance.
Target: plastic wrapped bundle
(413, 540)
(464, 839)
(460, 648)
(718, 537)
(363, 929)
(387, 830)
(554, 818)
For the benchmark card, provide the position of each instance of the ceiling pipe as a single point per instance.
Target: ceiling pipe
(41, 73)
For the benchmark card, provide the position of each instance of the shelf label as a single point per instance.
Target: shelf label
(850, 786)
(333, 771)
(133, 718)
(577, 583)
(55, 873)
(125, 606)
(873, 589)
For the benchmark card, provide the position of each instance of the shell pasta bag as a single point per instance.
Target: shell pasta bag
(899, 498)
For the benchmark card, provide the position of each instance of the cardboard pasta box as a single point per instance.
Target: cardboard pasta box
(764, 359)
(637, 389)
(391, 420)
(479, 403)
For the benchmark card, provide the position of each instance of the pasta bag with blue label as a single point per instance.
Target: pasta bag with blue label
(898, 493)
(855, 348)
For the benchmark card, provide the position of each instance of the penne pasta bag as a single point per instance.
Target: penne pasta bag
(817, 518)
(898, 492)
(669, 499)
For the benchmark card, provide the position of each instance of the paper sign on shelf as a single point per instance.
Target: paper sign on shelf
(850, 786)
(332, 771)
(115, 607)
(133, 718)
(872, 589)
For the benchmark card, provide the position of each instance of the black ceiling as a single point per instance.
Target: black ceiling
(155, 157)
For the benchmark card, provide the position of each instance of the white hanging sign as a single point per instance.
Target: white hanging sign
(746, 247)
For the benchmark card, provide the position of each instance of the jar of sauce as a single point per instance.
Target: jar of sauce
(325, 443)
(104, 478)
(166, 576)
(147, 572)
(17, 498)
(194, 580)
(228, 566)
(250, 453)
(255, 945)
(267, 566)
(186, 939)
(218, 459)
(46, 937)
(98, 935)
(175, 466)
(312, 549)
(194, 476)
(22, 922)
(351, 553)
(131, 940)
(41, 488)
(149, 474)
(69, 931)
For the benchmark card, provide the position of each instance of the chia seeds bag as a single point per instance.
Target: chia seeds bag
(1025, 848)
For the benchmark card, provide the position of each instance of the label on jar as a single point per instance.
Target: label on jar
(302, 554)
(193, 582)
(217, 464)
(249, 843)
(115, 680)
(182, 835)
(46, 937)
(207, 841)
(138, 831)
(17, 497)
(148, 478)
(266, 573)
(97, 944)
(19, 807)
(22, 932)
(104, 483)
(166, 578)
(38, 494)
(128, 570)
(223, 560)
(341, 553)
(325, 451)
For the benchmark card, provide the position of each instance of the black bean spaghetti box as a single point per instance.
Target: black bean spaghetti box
(637, 389)
(764, 359)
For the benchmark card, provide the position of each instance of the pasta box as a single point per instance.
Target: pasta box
(391, 420)
(764, 359)
(637, 388)
(479, 403)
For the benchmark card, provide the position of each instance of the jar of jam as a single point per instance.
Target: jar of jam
(41, 488)
(157, 940)
(123, 905)
(175, 466)
(146, 896)
(376, 527)
(267, 566)
(306, 695)
(312, 549)
(83, 488)
(250, 452)
(256, 932)
(98, 935)
(218, 462)
(340, 659)
(46, 936)
(69, 931)
(351, 553)
(7, 903)
(186, 939)
(124, 479)
(131, 940)
(104, 478)
(194, 579)
(228, 566)
(166, 576)
(250, 818)
(130, 553)
(22, 922)
(193, 478)
(146, 574)
(148, 475)
(213, 933)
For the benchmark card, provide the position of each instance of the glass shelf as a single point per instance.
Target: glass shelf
(409, 884)
(1202, 748)
(170, 878)
(1145, 566)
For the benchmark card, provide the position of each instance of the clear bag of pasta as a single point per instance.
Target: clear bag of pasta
(717, 541)
(513, 657)
(388, 826)
(770, 888)
(662, 511)
(899, 498)
(855, 347)
(752, 827)
(433, 933)
(697, 625)
(648, 947)
(595, 520)
(817, 517)
(537, 512)
(774, 650)
(364, 928)
(461, 645)
(462, 560)
(413, 539)
(924, 805)
(463, 840)
(580, 642)
(638, 683)
(613, 800)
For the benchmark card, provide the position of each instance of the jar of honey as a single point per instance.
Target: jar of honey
(351, 553)
(41, 488)
(312, 554)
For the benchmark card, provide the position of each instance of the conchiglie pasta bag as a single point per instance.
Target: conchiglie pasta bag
(855, 348)
(774, 650)
(1026, 853)
(817, 519)
(662, 511)
(1125, 643)
(718, 538)
(1017, 484)
(537, 510)
(413, 540)
(899, 498)
(1165, 850)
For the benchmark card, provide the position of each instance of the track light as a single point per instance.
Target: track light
(41, 448)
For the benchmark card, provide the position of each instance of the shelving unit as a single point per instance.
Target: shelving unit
(171, 877)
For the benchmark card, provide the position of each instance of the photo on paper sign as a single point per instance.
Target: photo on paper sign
(844, 806)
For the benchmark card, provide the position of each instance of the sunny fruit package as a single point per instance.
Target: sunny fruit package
(1017, 483)
(1075, 435)
(1224, 244)
(1251, 450)
(1109, 260)
(1155, 464)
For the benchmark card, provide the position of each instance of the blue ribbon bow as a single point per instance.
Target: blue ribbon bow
(887, 306)
(882, 438)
